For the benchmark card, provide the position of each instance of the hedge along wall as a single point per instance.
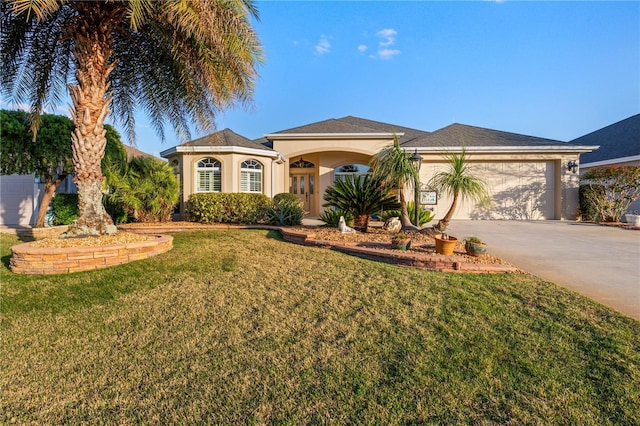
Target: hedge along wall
(218, 207)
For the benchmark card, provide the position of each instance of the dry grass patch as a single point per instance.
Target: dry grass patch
(235, 327)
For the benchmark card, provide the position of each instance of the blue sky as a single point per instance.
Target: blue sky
(551, 69)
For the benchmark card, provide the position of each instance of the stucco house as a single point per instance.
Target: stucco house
(528, 177)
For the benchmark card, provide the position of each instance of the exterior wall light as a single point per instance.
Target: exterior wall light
(572, 166)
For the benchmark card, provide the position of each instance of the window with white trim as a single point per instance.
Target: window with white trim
(251, 176)
(209, 175)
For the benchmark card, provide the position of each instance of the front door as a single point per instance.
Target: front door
(303, 186)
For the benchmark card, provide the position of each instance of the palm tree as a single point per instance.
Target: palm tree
(182, 61)
(360, 195)
(393, 166)
(458, 182)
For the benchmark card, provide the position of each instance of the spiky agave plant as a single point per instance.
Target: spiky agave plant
(362, 196)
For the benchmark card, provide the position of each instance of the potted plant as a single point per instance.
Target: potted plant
(445, 244)
(401, 241)
(474, 246)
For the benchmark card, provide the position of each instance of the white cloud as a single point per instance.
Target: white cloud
(362, 48)
(323, 47)
(387, 37)
(387, 53)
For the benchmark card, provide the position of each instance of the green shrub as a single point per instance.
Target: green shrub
(218, 207)
(286, 198)
(285, 213)
(147, 190)
(332, 217)
(426, 216)
(610, 190)
(65, 209)
(588, 194)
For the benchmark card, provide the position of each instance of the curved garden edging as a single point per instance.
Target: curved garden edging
(27, 259)
(424, 261)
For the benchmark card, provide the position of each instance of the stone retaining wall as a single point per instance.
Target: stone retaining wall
(26, 259)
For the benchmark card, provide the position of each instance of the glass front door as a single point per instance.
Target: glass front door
(303, 186)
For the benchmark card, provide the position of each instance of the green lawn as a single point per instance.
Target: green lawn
(235, 327)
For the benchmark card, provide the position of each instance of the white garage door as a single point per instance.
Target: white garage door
(17, 200)
(519, 191)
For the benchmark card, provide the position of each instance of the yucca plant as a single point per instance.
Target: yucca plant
(393, 166)
(360, 195)
(458, 182)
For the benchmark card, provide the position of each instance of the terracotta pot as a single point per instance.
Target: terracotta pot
(445, 246)
(475, 249)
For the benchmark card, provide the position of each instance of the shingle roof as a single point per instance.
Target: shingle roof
(134, 152)
(352, 124)
(618, 140)
(226, 137)
(456, 135)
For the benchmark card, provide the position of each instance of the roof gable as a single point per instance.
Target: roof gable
(456, 135)
(354, 125)
(618, 140)
(225, 138)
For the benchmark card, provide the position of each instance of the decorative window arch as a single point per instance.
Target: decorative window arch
(302, 164)
(209, 175)
(251, 176)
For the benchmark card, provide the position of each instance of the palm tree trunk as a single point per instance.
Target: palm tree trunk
(444, 222)
(91, 100)
(404, 213)
(361, 222)
(49, 190)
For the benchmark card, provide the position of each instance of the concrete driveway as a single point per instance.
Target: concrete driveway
(600, 262)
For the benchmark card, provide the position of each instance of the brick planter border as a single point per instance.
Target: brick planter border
(27, 259)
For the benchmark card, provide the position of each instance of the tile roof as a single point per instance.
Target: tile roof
(352, 124)
(618, 140)
(226, 137)
(456, 135)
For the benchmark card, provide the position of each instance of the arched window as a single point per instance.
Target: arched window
(251, 176)
(209, 175)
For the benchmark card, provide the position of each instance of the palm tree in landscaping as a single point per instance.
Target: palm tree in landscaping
(393, 166)
(360, 195)
(182, 61)
(458, 182)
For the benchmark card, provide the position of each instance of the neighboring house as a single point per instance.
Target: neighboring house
(20, 195)
(619, 145)
(528, 176)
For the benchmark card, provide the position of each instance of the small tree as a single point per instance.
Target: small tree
(392, 165)
(48, 157)
(360, 195)
(610, 190)
(459, 182)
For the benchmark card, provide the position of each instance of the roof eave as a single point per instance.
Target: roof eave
(219, 149)
(611, 161)
(308, 136)
(508, 149)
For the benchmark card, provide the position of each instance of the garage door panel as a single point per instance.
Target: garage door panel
(519, 191)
